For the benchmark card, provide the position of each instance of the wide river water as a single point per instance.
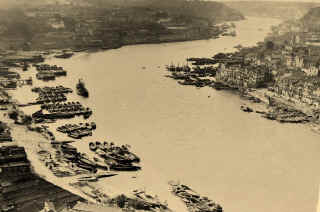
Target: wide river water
(198, 136)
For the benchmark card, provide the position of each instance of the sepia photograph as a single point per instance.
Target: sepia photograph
(159, 105)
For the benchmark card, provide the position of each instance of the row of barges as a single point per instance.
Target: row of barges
(47, 67)
(47, 72)
(51, 97)
(55, 89)
(194, 201)
(62, 110)
(51, 94)
(77, 131)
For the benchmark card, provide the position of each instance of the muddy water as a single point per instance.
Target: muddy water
(197, 136)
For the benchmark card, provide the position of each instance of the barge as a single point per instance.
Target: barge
(62, 110)
(77, 131)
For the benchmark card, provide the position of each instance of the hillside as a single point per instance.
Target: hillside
(213, 11)
(282, 10)
(311, 20)
(107, 23)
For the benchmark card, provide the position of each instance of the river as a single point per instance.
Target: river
(197, 136)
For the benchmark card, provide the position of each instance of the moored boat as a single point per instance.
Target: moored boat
(81, 89)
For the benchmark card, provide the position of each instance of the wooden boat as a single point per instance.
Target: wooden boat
(128, 158)
(88, 179)
(87, 167)
(124, 157)
(120, 167)
(85, 163)
(70, 157)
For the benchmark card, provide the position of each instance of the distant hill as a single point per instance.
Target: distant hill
(282, 10)
(213, 11)
(210, 10)
(45, 24)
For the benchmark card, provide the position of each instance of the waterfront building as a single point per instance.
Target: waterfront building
(252, 76)
(302, 91)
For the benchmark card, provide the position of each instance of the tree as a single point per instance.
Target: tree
(270, 45)
(13, 114)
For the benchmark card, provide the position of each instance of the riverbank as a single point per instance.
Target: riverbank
(179, 126)
(31, 141)
(13, 57)
(173, 127)
(202, 73)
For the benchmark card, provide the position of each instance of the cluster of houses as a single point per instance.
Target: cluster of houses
(261, 65)
(239, 76)
(299, 91)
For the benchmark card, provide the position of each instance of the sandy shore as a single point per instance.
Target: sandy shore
(123, 183)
